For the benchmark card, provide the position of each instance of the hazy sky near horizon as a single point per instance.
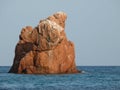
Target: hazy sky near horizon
(93, 25)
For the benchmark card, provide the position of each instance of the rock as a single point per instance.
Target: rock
(45, 48)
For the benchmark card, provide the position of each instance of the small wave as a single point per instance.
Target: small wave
(83, 72)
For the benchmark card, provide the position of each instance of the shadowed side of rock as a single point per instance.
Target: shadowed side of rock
(45, 48)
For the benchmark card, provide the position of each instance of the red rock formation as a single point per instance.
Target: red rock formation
(45, 48)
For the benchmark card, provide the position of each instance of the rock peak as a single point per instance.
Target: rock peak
(45, 48)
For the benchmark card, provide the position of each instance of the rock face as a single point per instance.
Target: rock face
(45, 48)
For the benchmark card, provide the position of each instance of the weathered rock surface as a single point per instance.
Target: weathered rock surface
(45, 48)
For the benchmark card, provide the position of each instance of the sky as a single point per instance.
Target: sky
(93, 26)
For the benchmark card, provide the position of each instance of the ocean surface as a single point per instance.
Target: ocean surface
(94, 78)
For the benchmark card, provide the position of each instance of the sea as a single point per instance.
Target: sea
(92, 78)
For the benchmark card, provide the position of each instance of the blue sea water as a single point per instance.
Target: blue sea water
(94, 78)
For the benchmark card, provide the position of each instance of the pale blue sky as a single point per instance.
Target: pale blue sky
(93, 25)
